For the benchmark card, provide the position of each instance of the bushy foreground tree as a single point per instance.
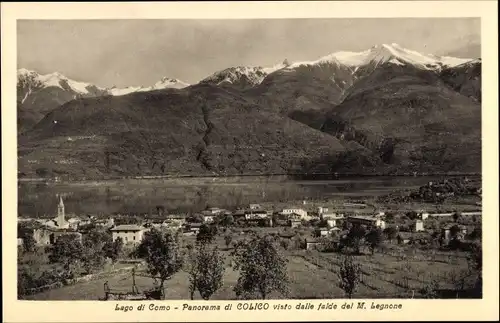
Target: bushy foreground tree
(349, 275)
(374, 238)
(263, 269)
(161, 252)
(206, 270)
(68, 251)
(206, 234)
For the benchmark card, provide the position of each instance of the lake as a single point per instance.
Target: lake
(195, 194)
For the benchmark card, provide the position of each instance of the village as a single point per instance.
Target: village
(321, 222)
(308, 235)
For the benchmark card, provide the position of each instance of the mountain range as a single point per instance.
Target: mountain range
(38, 94)
(386, 110)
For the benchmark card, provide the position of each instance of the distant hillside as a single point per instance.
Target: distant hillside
(304, 87)
(386, 110)
(411, 119)
(203, 130)
(39, 94)
(465, 78)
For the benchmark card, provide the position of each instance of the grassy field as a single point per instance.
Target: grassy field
(394, 273)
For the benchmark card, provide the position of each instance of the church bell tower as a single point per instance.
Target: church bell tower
(60, 213)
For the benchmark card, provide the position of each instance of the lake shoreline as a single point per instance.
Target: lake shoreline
(290, 176)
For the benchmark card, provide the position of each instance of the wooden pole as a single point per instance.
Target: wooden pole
(133, 280)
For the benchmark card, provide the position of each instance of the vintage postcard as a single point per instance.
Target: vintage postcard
(238, 161)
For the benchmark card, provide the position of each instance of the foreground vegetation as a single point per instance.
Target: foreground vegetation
(208, 267)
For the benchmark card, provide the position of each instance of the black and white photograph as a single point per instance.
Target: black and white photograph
(249, 159)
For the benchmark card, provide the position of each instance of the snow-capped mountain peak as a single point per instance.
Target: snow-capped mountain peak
(387, 53)
(376, 55)
(24, 72)
(249, 75)
(167, 82)
(32, 80)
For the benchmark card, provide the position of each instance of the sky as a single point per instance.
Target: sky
(141, 52)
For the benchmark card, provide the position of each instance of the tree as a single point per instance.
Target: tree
(262, 268)
(454, 230)
(207, 233)
(228, 239)
(67, 250)
(349, 275)
(390, 233)
(29, 243)
(476, 234)
(192, 269)
(476, 264)
(412, 215)
(161, 252)
(475, 258)
(389, 216)
(197, 218)
(431, 287)
(346, 225)
(114, 249)
(285, 243)
(228, 220)
(374, 239)
(323, 223)
(160, 210)
(206, 270)
(355, 238)
(95, 246)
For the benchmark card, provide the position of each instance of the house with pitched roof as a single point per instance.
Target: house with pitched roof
(129, 233)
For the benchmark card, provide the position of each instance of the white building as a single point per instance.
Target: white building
(256, 215)
(423, 215)
(333, 219)
(438, 215)
(301, 212)
(254, 206)
(325, 232)
(74, 222)
(208, 218)
(332, 223)
(419, 226)
(130, 233)
(369, 221)
(472, 213)
(322, 210)
(212, 211)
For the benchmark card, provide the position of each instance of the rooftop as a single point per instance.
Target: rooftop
(255, 212)
(332, 216)
(363, 217)
(414, 235)
(450, 225)
(127, 227)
